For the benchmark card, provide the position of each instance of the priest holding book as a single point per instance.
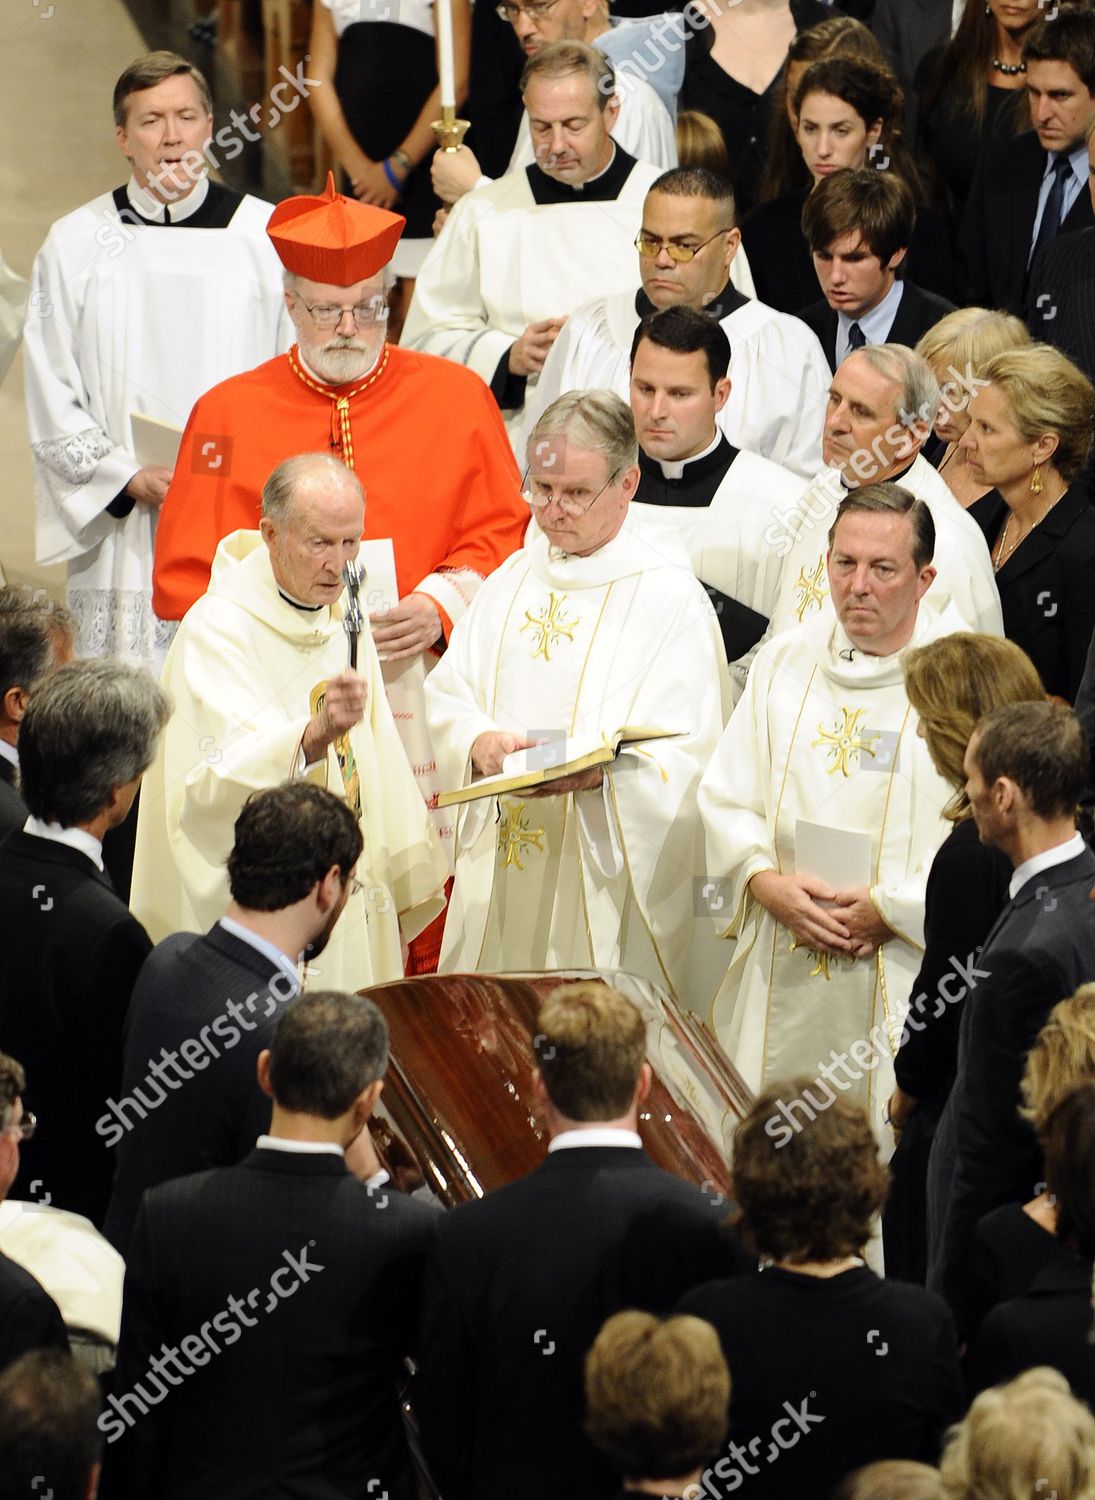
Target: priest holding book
(591, 630)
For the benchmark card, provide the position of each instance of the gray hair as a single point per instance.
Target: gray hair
(91, 726)
(31, 626)
(892, 499)
(279, 491)
(560, 59)
(919, 401)
(595, 420)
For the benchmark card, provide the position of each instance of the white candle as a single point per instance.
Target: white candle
(443, 11)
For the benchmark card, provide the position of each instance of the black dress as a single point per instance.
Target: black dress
(385, 71)
(1010, 1251)
(783, 268)
(1048, 1325)
(967, 889)
(741, 114)
(1046, 590)
(947, 138)
(827, 1374)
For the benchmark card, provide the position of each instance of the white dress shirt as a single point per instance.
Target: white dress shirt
(596, 1135)
(75, 838)
(1039, 863)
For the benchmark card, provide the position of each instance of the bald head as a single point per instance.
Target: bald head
(313, 514)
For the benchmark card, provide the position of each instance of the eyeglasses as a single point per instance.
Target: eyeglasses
(24, 1128)
(366, 314)
(682, 254)
(356, 886)
(572, 508)
(535, 12)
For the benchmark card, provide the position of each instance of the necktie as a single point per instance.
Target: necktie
(856, 338)
(1055, 205)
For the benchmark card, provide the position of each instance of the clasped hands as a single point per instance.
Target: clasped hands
(847, 922)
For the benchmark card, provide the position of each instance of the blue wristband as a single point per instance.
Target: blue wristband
(390, 175)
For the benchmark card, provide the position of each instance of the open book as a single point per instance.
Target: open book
(552, 759)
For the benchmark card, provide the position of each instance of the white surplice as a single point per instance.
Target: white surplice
(558, 644)
(823, 733)
(504, 261)
(127, 317)
(241, 671)
(799, 536)
(725, 540)
(779, 376)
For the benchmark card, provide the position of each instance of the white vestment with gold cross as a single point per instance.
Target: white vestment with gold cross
(556, 645)
(799, 534)
(823, 734)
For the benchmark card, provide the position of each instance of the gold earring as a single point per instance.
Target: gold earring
(1036, 485)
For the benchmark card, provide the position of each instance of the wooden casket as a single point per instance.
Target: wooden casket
(457, 1113)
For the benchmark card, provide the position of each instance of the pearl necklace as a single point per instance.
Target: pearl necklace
(1011, 70)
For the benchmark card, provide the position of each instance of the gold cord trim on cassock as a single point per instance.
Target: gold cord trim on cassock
(342, 440)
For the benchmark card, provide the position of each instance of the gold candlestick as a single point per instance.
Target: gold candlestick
(450, 131)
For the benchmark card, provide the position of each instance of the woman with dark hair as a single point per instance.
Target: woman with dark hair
(848, 115)
(839, 36)
(970, 91)
(951, 683)
(1051, 1324)
(869, 1368)
(732, 69)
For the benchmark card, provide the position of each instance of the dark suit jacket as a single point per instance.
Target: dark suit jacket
(916, 313)
(998, 223)
(13, 810)
(1047, 1325)
(1046, 588)
(906, 30)
(516, 1292)
(1061, 297)
(307, 1287)
(69, 956)
(211, 997)
(1040, 950)
(29, 1318)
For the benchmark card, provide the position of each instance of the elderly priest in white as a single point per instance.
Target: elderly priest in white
(823, 811)
(141, 300)
(263, 692)
(521, 253)
(882, 403)
(716, 499)
(589, 629)
(690, 255)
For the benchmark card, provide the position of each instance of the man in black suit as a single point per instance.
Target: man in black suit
(1025, 767)
(521, 1281)
(29, 1317)
(215, 999)
(36, 637)
(1061, 294)
(1031, 187)
(289, 1388)
(69, 949)
(858, 225)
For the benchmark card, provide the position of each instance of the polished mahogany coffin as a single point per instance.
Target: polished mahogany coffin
(457, 1110)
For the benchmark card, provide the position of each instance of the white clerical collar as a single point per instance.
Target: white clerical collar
(298, 1148)
(1039, 863)
(597, 1135)
(75, 838)
(265, 947)
(334, 384)
(673, 468)
(9, 753)
(580, 187)
(142, 201)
